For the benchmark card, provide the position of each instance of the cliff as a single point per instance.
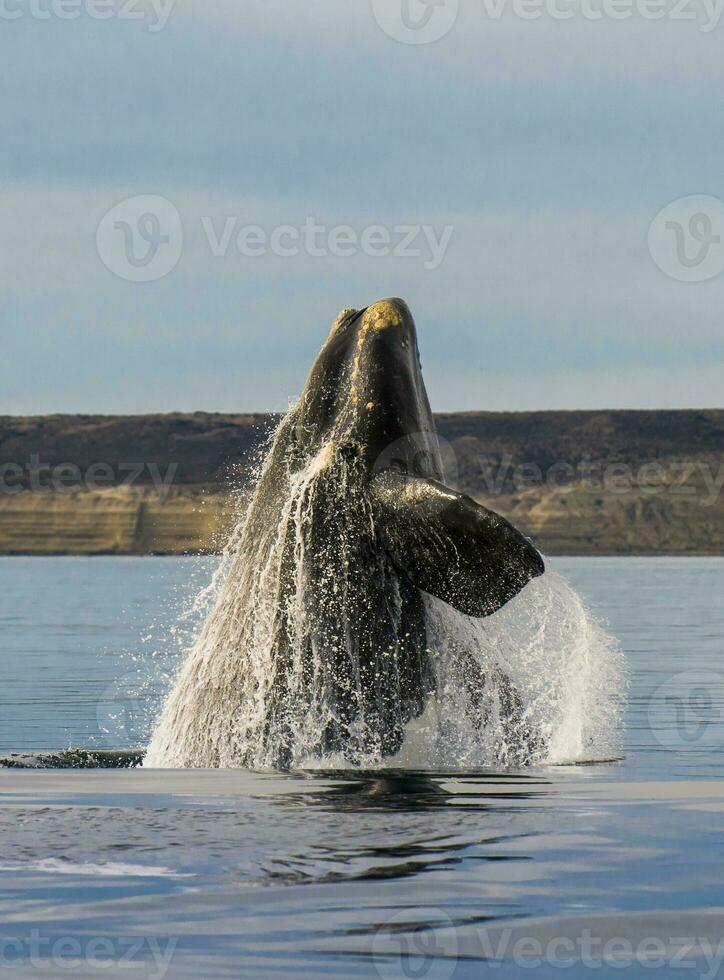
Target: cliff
(578, 482)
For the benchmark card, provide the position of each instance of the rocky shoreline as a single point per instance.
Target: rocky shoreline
(579, 483)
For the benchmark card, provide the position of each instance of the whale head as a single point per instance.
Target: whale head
(366, 394)
(365, 416)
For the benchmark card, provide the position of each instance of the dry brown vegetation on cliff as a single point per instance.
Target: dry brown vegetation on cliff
(604, 482)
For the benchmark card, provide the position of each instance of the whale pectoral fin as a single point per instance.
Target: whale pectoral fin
(451, 546)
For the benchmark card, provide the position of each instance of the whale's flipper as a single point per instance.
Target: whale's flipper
(451, 546)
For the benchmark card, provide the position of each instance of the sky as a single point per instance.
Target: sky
(190, 192)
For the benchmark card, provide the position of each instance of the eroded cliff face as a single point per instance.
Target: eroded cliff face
(569, 521)
(575, 521)
(119, 520)
(576, 482)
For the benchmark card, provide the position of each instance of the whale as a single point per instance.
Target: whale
(318, 639)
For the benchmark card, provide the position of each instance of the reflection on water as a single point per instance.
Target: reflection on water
(369, 874)
(401, 789)
(315, 873)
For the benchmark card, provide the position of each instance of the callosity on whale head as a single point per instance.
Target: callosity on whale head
(366, 396)
(318, 642)
(366, 389)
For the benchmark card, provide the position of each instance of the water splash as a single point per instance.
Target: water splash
(569, 673)
(261, 685)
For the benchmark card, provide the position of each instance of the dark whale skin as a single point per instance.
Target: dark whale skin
(374, 529)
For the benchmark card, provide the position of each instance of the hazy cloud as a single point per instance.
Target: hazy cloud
(547, 148)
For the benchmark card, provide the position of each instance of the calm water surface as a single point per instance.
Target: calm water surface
(346, 874)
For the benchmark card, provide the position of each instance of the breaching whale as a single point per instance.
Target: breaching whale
(318, 639)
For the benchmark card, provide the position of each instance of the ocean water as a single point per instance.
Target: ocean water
(598, 867)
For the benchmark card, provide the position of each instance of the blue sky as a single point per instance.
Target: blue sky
(546, 147)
